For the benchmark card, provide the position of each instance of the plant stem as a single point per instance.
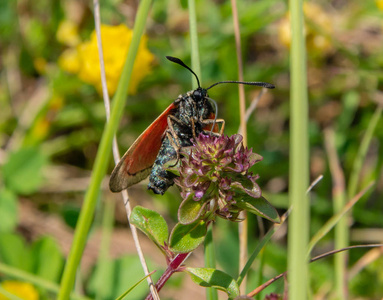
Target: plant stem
(260, 246)
(102, 158)
(243, 226)
(362, 151)
(335, 218)
(104, 261)
(116, 153)
(195, 62)
(342, 229)
(298, 233)
(210, 260)
(339, 201)
(266, 284)
(211, 293)
(171, 269)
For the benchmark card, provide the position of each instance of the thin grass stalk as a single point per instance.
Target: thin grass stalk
(366, 260)
(103, 262)
(241, 87)
(298, 232)
(341, 229)
(131, 288)
(362, 151)
(243, 226)
(272, 280)
(211, 294)
(335, 219)
(261, 258)
(102, 158)
(108, 212)
(255, 253)
(116, 153)
(195, 62)
(339, 201)
(210, 261)
(260, 245)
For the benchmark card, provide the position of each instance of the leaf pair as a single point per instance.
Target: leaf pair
(183, 238)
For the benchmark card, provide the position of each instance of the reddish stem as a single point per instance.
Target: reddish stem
(173, 267)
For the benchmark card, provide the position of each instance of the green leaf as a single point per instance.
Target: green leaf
(103, 280)
(14, 252)
(186, 238)
(151, 223)
(23, 171)
(49, 259)
(190, 210)
(259, 206)
(8, 210)
(245, 185)
(8, 21)
(208, 277)
(184, 4)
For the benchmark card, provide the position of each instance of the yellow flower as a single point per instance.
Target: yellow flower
(69, 61)
(379, 4)
(116, 40)
(67, 33)
(316, 40)
(23, 290)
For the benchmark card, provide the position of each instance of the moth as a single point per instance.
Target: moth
(188, 116)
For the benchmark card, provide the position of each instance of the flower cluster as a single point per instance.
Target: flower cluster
(83, 59)
(215, 178)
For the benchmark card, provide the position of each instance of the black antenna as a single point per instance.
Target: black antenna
(180, 62)
(262, 84)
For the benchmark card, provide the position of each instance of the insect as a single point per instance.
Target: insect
(188, 116)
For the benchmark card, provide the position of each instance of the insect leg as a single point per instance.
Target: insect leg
(172, 135)
(218, 121)
(193, 128)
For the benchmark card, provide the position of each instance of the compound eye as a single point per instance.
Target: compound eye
(197, 95)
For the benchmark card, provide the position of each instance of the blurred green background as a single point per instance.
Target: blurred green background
(51, 121)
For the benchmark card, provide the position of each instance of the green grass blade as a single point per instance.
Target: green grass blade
(210, 261)
(298, 232)
(334, 219)
(102, 158)
(211, 294)
(255, 253)
(354, 177)
(133, 286)
(195, 62)
(260, 245)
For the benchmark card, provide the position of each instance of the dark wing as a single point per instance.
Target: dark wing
(137, 162)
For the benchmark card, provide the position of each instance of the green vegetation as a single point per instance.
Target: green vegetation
(55, 146)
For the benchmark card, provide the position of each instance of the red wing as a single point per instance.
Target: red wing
(137, 162)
